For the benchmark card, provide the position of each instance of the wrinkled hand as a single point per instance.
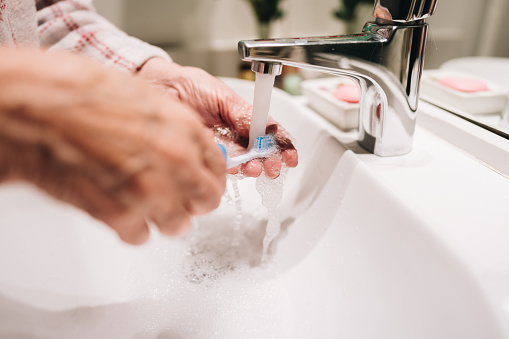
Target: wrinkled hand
(106, 142)
(222, 109)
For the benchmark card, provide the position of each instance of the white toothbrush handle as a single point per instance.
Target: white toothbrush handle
(232, 162)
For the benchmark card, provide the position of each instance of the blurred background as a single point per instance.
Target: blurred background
(204, 33)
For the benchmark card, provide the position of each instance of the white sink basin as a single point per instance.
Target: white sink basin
(406, 247)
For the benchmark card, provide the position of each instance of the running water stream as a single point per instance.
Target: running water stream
(271, 191)
(261, 104)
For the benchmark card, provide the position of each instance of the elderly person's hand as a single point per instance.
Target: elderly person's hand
(106, 142)
(220, 108)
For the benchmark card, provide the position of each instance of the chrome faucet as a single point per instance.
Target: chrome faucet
(385, 60)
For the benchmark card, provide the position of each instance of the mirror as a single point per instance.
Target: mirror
(470, 37)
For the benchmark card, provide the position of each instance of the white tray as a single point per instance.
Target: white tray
(483, 102)
(319, 93)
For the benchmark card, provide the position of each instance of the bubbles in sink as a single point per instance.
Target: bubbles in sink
(213, 254)
(211, 281)
(221, 245)
(194, 288)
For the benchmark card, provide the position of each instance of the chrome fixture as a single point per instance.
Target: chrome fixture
(267, 67)
(385, 59)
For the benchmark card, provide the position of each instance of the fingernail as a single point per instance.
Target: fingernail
(271, 129)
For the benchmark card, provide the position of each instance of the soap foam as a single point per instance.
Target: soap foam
(214, 281)
(201, 285)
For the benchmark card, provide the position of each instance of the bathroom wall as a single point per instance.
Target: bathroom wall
(204, 33)
(111, 9)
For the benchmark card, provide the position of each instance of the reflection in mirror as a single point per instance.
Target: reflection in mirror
(473, 88)
(471, 45)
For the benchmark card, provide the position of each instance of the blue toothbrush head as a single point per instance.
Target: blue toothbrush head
(265, 143)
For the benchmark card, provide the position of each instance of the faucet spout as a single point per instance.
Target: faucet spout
(267, 67)
(386, 61)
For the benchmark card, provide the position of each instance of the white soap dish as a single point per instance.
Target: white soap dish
(320, 96)
(436, 90)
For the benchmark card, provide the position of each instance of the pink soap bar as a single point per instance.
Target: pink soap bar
(464, 84)
(347, 92)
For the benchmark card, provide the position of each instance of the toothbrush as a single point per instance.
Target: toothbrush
(264, 146)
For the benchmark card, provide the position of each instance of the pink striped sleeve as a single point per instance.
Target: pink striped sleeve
(73, 25)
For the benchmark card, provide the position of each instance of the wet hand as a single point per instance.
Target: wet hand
(220, 108)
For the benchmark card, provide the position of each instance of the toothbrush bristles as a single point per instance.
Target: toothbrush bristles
(265, 142)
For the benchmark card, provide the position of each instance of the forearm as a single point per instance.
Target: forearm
(75, 26)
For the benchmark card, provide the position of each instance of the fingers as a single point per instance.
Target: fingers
(209, 181)
(193, 184)
(128, 222)
(213, 158)
(290, 157)
(130, 229)
(205, 194)
(252, 168)
(271, 128)
(272, 166)
(173, 222)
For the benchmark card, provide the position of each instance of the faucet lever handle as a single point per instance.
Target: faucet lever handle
(404, 10)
